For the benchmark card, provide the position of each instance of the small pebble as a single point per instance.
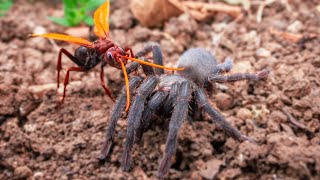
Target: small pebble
(244, 114)
(22, 172)
(272, 99)
(39, 30)
(38, 175)
(261, 52)
(308, 115)
(295, 27)
(224, 101)
(278, 116)
(211, 168)
(316, 61)
(242, 67)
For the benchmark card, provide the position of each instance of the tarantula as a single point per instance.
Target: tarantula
(172, 95)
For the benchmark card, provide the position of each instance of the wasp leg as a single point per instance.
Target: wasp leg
(59, 64)
(103, 84)
(66, 79)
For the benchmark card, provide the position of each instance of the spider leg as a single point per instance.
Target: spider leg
(115, 115)
(157, 55)
(217, 117)
(66, 79)
(223, 67)
(131, 67)
(103, 84)
(167, 105)
(238, 77)
(148, 70)
(134, 115)
(141, 125)
(59, 63)
(180, 113)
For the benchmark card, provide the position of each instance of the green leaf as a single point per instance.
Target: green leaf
(61, 21)
(82, 3)
(93, 4)
(89, 21)
(77, 11)
(70, 3)
(5, 6)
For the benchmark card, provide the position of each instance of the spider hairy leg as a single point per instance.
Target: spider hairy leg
(156, 55)
(148, 70)
(179, 114)
(115, 115)
(223, 67)
(134, 115)
(154, 103)
(131, 67)
(171, 97)
(203, 103)
(238, 77)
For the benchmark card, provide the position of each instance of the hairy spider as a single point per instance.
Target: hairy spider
(172, 95)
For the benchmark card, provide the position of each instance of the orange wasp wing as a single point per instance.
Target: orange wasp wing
(62, 37)
(101, 20)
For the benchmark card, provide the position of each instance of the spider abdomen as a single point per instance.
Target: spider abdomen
(198, 64)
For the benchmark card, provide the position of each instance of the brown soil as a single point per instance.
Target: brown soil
(40, 140)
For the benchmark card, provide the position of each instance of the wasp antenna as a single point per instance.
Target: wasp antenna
(127, 84)
(152, 64)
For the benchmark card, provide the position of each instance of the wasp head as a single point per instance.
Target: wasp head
(113, 57)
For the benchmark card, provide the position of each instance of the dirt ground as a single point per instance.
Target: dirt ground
(40, 140)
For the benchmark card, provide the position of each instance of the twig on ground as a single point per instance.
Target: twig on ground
(294, 121)
(203, 10)
(292, 37)
(40, 89)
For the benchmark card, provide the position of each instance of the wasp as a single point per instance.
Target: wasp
(103, 51)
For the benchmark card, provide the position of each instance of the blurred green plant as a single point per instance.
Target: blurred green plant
(77, 11)
(5, 5)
